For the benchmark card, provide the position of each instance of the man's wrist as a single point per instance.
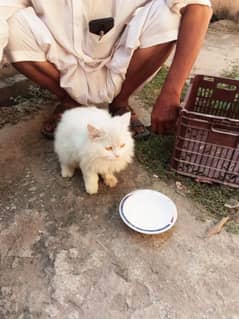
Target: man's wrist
(171, 92)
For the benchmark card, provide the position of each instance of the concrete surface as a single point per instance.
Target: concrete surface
(11, 87)
(67, 255)
(219, 53)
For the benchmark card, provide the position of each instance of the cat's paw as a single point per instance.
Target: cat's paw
(67, 171)
(110, 180)
(91, 182)
(92, 189)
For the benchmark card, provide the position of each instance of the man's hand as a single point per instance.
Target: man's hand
(165, 113)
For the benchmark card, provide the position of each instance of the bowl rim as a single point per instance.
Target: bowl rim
(147, 231)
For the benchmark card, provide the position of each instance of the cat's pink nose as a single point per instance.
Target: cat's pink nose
(116, 155)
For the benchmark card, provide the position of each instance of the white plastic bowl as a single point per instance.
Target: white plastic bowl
(148, 211)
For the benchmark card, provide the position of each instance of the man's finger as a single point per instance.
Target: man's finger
(170, 127)
(160, 129)
(154, 124)
(157, 126)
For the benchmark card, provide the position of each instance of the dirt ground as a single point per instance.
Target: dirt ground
(67, 255)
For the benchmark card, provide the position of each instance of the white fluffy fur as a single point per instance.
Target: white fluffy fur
(89, 138)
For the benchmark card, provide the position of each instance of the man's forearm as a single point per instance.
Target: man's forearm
(194, 24)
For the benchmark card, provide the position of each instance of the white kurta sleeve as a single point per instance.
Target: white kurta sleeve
(177, 5)
(7, 9)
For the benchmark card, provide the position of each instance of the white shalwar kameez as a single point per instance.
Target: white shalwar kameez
(92, 69)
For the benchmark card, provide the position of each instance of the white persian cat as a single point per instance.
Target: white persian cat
(92, 140)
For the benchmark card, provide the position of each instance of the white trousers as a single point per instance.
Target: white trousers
(99, 80)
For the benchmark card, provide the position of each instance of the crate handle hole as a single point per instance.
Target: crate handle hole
(226, 86)
(209, 79)
(223, 131)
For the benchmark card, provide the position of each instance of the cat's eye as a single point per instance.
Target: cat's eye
(109, 148)
(122, 145)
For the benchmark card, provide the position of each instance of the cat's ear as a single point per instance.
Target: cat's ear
(94, 132)
(125, 119)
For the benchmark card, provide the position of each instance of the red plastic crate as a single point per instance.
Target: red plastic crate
(207, 139)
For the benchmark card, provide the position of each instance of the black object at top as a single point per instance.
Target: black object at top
(101, 26)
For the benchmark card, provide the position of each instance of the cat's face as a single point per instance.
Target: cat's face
(114, 140)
